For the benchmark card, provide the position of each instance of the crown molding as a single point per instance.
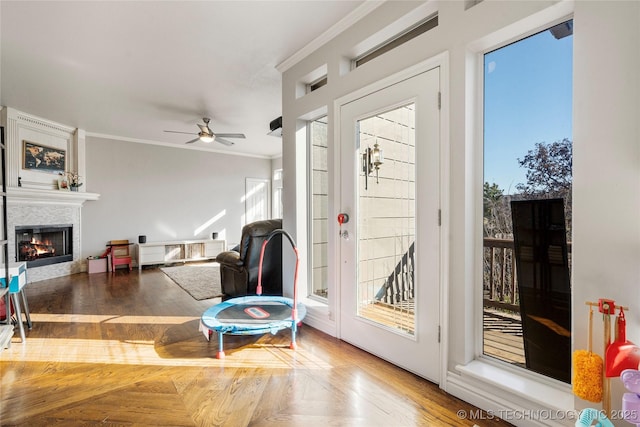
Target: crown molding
(346, 22)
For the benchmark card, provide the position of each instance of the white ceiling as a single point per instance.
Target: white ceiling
(133, 69)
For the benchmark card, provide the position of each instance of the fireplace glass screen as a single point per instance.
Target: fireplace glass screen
(43, 245)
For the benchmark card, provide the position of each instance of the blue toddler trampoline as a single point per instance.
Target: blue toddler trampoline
(256, 314)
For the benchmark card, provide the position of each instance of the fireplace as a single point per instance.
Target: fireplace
(40, 245)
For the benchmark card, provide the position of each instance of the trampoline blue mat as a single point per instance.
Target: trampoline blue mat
(252, 315)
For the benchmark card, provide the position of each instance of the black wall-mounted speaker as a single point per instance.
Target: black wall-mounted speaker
(275, 124)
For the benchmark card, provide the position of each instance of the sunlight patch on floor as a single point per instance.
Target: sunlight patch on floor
(115, 318)
(140, 352)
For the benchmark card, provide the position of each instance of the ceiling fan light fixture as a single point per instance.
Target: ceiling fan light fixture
(207, 135)
(207, 138)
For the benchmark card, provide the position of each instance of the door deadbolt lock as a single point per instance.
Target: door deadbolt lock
(343, 218)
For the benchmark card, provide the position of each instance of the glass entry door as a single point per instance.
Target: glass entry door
(389, 263)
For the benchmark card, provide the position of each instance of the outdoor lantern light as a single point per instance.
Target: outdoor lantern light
(376, 157)
(371, 160)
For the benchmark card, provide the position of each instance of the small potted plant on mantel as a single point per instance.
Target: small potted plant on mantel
(74, 180)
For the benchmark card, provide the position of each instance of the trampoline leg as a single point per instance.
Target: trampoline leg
(293, 344)
(220, 354)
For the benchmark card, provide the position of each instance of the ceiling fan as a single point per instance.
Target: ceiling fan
(207, 135)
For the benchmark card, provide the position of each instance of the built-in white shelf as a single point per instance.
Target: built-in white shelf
(174, 251)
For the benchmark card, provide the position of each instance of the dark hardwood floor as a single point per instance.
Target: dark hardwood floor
(124, 350)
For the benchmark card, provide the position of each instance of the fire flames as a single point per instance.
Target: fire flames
(35, 249)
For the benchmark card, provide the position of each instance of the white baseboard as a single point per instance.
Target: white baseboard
(318, 317)
(513, 398)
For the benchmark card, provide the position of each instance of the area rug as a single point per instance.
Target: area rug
(201, 281)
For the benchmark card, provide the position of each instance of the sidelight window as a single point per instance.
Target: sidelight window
(527, 203)
(319, 189)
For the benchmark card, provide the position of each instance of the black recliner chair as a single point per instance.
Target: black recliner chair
(239, 268)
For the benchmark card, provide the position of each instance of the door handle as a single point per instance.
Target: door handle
(343, 218)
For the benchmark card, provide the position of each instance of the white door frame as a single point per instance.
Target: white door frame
(442, 61)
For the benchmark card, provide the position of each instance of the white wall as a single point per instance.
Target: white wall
(606, 226)
(606, 195)
(164, 193)
(276, 163)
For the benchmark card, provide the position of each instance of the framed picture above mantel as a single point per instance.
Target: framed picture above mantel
(40, 158)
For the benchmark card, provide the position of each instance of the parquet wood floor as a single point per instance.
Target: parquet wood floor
(124, 350)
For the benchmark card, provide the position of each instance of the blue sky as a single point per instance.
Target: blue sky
(528, 99)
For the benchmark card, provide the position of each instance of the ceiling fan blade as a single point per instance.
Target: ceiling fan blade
(192, 141)
(231, 135)
(224, 141)
(177, 131)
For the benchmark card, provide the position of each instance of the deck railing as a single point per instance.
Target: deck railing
(398, 287)
(500, 286)
(500, 282)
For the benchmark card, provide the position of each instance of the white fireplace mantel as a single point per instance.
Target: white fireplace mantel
(33, 197)
(20, 195)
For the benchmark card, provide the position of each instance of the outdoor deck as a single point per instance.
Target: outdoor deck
(502, 330)
(503, 336)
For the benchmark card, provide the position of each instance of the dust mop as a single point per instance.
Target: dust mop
(587, 370)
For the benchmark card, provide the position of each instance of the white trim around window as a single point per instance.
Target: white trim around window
(492, 385)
